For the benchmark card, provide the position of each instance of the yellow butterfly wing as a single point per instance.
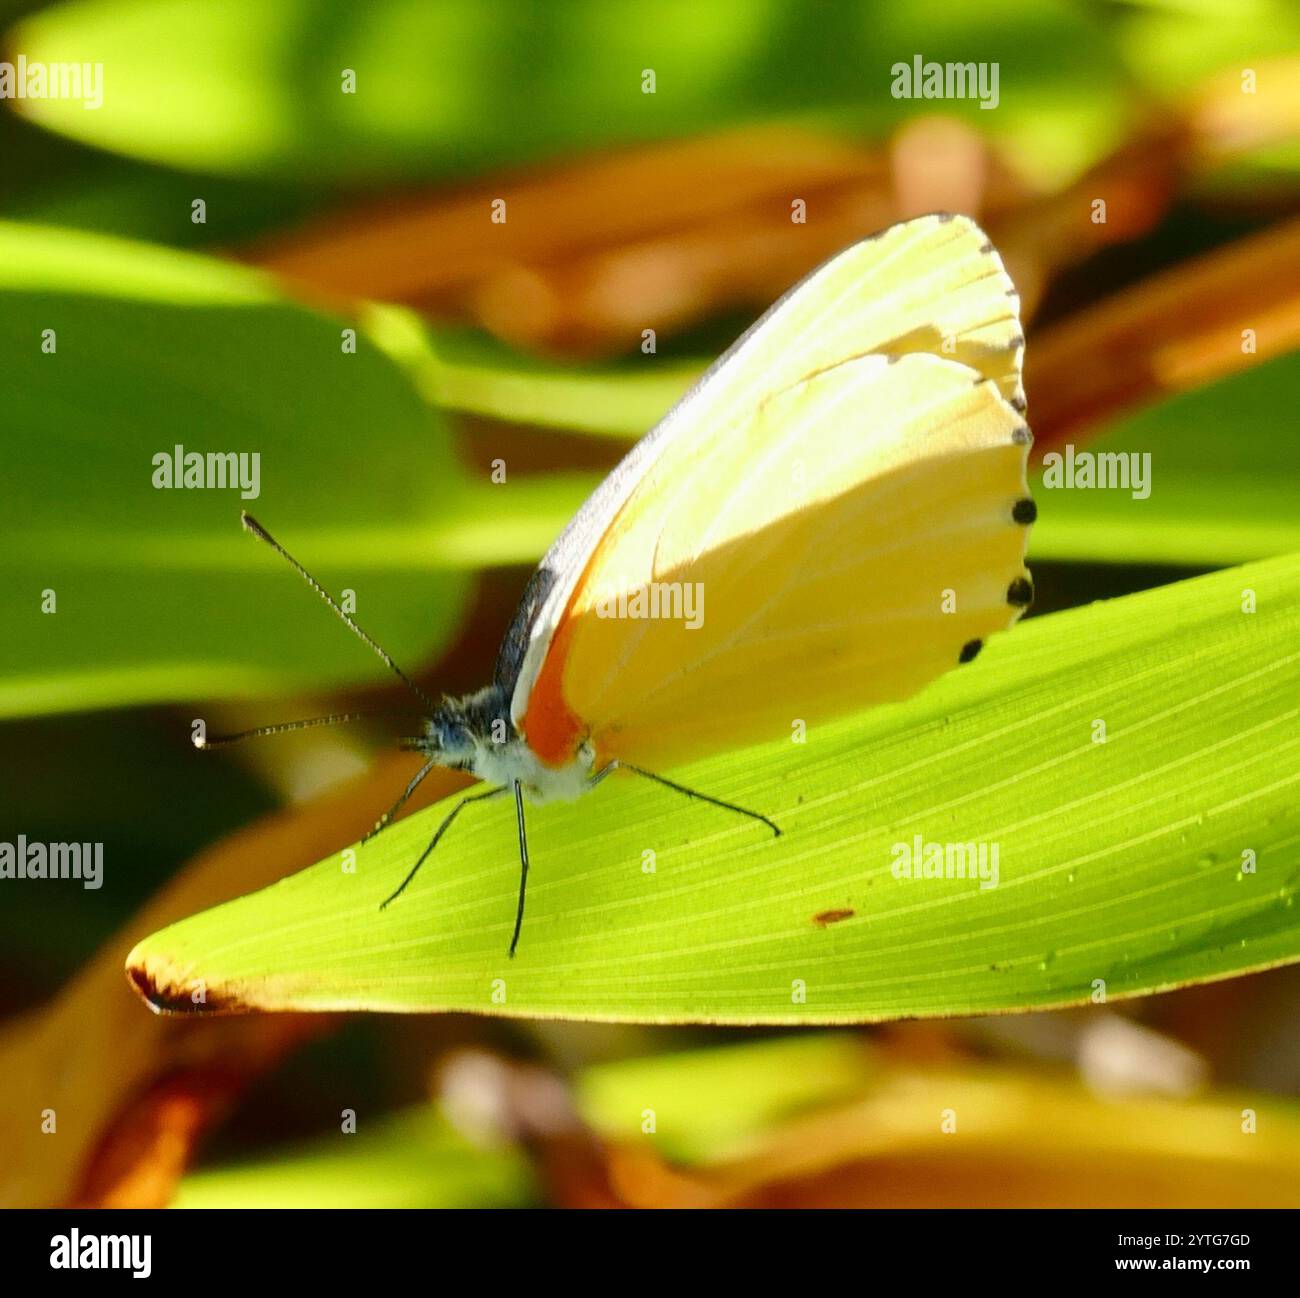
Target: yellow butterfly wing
(836, 516)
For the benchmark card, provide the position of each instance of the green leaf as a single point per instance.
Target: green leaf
(1169, 46)
(469, 373)
(1224, 478)
(114, 590)
(712, 1102)
(1167, 854)
(254, 87)
(411, 1159)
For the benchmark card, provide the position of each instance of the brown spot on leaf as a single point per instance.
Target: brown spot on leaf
(828, 917)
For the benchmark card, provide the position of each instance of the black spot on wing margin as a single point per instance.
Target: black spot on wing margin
(1020, 594)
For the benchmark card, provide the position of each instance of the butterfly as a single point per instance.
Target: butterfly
(833, 516)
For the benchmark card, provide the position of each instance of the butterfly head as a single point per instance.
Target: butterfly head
(458, 730)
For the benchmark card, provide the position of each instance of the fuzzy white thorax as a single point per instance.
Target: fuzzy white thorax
(503, 764)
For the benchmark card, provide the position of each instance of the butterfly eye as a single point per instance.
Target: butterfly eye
(449, 733)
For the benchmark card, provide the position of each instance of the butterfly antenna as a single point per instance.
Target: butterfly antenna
(252, 525)
(334, 719)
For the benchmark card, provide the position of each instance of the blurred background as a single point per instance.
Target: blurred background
(336, 165)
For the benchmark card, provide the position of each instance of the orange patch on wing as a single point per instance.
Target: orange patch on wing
(552, 730)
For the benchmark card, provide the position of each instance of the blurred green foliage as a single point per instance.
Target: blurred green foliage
(1223, 479)
(156, 595)
(410, 1159)
(254, 86)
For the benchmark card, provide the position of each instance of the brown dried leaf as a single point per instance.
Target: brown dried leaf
(1175, 331)
(595, 251)
(130, 1091)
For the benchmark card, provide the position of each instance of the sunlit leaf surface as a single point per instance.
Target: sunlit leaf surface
(1132, 763)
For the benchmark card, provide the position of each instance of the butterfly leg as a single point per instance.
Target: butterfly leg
(401, 802)
(523, 864)
(442, 829)
(601, 774)
(693, 793)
